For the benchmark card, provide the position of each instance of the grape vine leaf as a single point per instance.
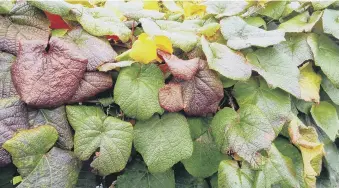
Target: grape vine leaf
(137, 171)
(57, 118)
(94, 130)
(13, 117)
(163, 142)
(28, 147)
(24, 22)
(47, 78)
(6, 85)
(246, 132)
(231, 175)
(136, 92)
(274, 103)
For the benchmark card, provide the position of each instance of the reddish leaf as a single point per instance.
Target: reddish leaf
(164, 68)
(56, 21)
(114, 37)
(92, 84)
(170, 97)
(182, 69)
(47, 78)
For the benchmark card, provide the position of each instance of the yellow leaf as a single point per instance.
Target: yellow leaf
(163, 43)
(144, 50)
(309, 82)
(151, 5)
(82, 2)
(191, 9)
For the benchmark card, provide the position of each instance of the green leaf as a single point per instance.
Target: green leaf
(163, 142)
(225, 8)
(240, 35)
(325, 115)
(6, 85)
(184, 180)
(56, 118)
(198, 126)
(61, 8)
(136, 90)
(57, 168)
(331, 90)
(283, 167)
(326, 56)
(6, 6)
(303, 22)
(273, 9)
(231, 175)
(302, 105)
(318, 5)
(330, 22)
(137, 175)
(277, 69)
(92, 131)
(228, 63)
(274, 103)
(309, 83)
(28, 147)
(246, 132)
(256, 21)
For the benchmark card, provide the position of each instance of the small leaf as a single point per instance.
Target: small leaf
(28, 147)
(138, 171)
(170, 97)
(231, 175)
(48, 79)
(6, 85)
(301, 23)
(155, 139)
(325, 115)
(309, 83)
(136, 92)
(228, 63)
(113, 136)
(91, 84)
(245, 132)
(330, 22)
(240, 35)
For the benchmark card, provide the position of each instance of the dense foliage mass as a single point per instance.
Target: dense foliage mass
(164, 94)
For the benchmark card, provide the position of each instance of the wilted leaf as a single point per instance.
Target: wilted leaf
(136, 92)
(24, 22)
(57, 168)
(28, 147)
(184, 180)
(137, 171)
(13, 117)
(163, 142)
(309, 83)
(182, 69)
(274, 103)
(93, 130)
(331, 90)
(240, 35)
(231, 175)
(325, 115)
(113, 66)
(91, 84)
(225, 8)
(170, 97)
(48, 78)
(277, 69)
(57, 118)
(245, 132)
(303, 22)
(97, 50)
(326, 56)
(330, 22)
(228, 63)
(6, 85)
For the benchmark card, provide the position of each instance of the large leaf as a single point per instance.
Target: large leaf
(141, 177)
(225, 8)
(184, 180)
(163, 142)
(97, 50)
(309, 83)
(230, 64)
(48, 78)
(231, 175)
(91, 84)
(57, 168)
(326, 56)
(303, 22)
(136, 92)
(330, 24)
(93, 130)
(325, 115)
(57, 118)
(273, 102)
(246, 132)
(24, 22)
(13, 117)
(277, 69)
(6, 85)
(28, 147)
(240, 35)
(331, 90)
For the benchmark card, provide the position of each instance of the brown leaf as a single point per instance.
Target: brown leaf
(170, 97)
